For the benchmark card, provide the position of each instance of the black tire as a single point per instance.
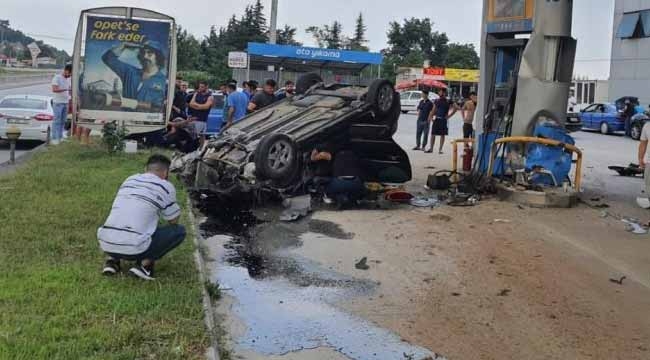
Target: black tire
(380, 96)
(276, 158)
(392, 119)
(307, 81)
(635, 131)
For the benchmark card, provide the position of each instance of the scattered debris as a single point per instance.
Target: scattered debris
(502, 221)
(643, 202)
(521, 207)
(297, 207)
(634, 227)
(455, 294)
(604, 214)
(601, 206)
(618, 281)
(425, 202)
(398, 195)
(440, 217)
(362, 264)
(504, 292)
(630, 170)
(595, 199)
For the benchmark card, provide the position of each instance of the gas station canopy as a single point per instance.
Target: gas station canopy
(299, 58)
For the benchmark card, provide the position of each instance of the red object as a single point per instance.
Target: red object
(436, 71)
(467, 158)
(43, 117)
(398, 195)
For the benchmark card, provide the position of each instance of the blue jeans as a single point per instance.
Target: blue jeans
(345, 190)
(422, 133)
(164, 240)
(60, 117)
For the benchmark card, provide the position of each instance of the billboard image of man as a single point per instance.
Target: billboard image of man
(146, 84)
(509, 8)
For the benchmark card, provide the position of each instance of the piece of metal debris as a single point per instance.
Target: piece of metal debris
(618, 281)
(504, 292)
(634, 227)
(362, 264)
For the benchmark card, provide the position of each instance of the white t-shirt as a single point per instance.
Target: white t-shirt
(139, 203)
(645, 136)
(62, 83)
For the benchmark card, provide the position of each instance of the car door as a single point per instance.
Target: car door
(586, 116)
(599, 116)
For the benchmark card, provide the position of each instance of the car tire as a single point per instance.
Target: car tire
(276, 158)
(305, 82)
(604, 128)
(635, 131)
(380, 96)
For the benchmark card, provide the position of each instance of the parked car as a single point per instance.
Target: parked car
(268, 151)
(411, 99)
(32, 114)
(215, 117)
(603, 117)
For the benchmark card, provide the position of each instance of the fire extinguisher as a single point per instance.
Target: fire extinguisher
(468, 154)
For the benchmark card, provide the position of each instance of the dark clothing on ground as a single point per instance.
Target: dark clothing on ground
(468, 131)
(164, 240)
(345, 190)
(183, 140)
(262, 100)
(201, 115)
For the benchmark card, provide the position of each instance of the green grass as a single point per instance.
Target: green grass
(54, 303)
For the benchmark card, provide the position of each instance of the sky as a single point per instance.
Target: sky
(55, 22)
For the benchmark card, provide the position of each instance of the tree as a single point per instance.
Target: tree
(358, 40)
(286, 36)
(189, 51)
(328, 36)
(462, 56)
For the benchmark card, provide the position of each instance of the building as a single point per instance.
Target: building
(630, 60)
(590, 91)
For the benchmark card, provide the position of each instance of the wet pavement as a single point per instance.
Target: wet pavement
(280, 303)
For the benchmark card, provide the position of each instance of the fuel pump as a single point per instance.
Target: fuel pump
(527, 58)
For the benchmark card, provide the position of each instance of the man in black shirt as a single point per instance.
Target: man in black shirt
(424, 109)
(341, 174)
(179, 106)
(263, 98)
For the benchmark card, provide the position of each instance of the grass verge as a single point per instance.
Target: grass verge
(54, 303)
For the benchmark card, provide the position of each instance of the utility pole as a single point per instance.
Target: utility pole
(273, 30)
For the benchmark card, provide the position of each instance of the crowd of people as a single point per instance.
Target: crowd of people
(433, 117)
(188, 123)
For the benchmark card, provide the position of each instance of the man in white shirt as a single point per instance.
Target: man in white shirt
(61, 88)
(131, 231)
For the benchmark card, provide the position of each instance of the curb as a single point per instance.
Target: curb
(7, 167)
(203, 277)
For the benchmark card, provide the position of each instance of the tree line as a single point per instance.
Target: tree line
(410, 43)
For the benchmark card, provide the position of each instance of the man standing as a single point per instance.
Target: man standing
(61, 87)
(628, 112)
(469, 108)
(439, 115)
(131, 231)
(145, 85)
(179, 106)
(200, 106)
(237, 105)
(252, 89)
(289, 90)
(422, 133)
(264, 98)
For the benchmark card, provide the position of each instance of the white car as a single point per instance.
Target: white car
(411, 99)
(32, 114)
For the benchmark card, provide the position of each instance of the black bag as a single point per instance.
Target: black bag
(440, 180)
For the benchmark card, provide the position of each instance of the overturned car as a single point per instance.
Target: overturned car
(269, 150)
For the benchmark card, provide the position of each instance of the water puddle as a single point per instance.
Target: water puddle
(284, 303)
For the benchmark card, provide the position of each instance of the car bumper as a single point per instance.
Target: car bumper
(28, 133)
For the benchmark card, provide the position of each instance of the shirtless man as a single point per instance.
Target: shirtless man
(468, 111)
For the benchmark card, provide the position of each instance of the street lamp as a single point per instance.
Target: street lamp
(13, 133)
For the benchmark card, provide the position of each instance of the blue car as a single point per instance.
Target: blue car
(215, 117)
(602, 117)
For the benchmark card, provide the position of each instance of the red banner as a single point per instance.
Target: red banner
(435, 71)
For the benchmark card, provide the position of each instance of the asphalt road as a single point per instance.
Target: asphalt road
(22, 146)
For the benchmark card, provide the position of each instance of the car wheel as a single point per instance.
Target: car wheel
(307, 81)
(604, 128)
(276, 157)
(405, 111)
(635, 131)
(380, 96)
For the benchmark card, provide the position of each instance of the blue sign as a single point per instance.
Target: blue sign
(314, 54)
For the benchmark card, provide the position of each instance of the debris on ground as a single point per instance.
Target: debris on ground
(455, 294)
(643, 202)
(362, 264)
(601, 206)
(504, 292)
(630, 170)
(440, 217)
(398, 195)
(604, 214)
(297, 207)
(501, 221)
(618, 281)
(421, 201)
(633, 226)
